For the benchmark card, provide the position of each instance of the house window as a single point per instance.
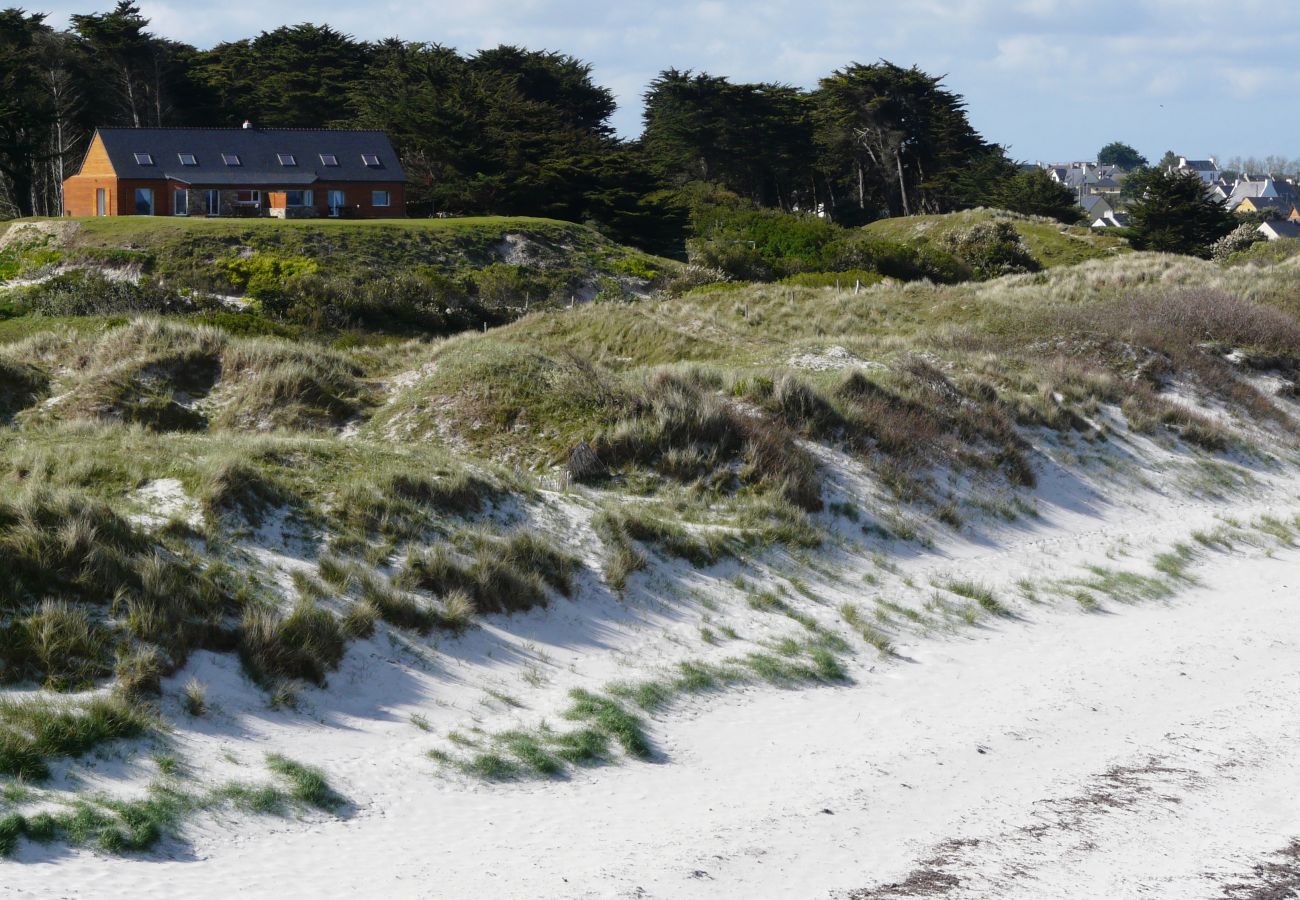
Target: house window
(370, 160)
(231, 159)
(143, 159)
(181, 203)
(380, 198)
(298, 198)
(248, 198)
(144, 201)
(187, 159)
(329, 159)
(336, 203)
(286, 159)
(214, 203)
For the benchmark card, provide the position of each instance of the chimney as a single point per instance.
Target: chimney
(248, 126)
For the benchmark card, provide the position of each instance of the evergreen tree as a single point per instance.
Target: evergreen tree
(1122, 155)
(1034, 193)
(293, 77)
(754, 140)
(25, 110)
(1173, 213)
(894, 141)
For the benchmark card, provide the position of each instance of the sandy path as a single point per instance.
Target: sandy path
(1146, 753)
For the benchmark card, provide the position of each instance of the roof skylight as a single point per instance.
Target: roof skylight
(231, 159)
(187, 159)
(143, 159)
(329, 159)
(286, 159)
(370, 160)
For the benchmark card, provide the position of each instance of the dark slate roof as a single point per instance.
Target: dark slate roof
(1091, 202)
(257, 149)
(1283, 229)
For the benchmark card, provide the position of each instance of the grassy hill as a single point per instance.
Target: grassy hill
(1049, 242)
(426, 275)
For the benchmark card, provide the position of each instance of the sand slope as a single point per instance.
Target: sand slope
(1147, 751)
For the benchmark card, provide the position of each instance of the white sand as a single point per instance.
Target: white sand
(1144, 752)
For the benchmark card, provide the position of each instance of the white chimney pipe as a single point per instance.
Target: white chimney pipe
(248, 125)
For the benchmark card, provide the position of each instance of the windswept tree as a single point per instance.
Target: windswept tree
(292, 77)
(754, 140)
(509, 131)
(1173, 213)
(894, 140)
(132, 60)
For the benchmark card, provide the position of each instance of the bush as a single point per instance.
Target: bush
(263, 276)
(1240, 239)
(90, 293)
(501, 285)
(990, 249)
(841, 280)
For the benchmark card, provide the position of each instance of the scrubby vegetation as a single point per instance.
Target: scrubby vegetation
(173, 485)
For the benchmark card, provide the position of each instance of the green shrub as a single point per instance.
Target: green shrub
(991, 249)
(263, 276)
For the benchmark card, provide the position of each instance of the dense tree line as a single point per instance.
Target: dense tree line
(508, 130)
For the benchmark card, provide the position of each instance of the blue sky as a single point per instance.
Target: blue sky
(1054, 79)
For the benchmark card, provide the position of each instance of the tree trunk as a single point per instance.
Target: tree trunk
(129, 82)
(902, 184)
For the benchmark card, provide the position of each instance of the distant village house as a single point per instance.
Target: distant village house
(241, 172)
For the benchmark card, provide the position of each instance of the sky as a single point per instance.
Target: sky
(1053, 80)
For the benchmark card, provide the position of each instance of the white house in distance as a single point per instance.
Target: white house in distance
(1207, 169)
(1279, 230)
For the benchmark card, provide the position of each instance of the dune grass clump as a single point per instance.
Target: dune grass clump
(116, 825)
(854, 618)
(115, 588)
(493, 581)
(982, 594)
(681, 428)
(307, 784)
(270, 384)
(148, 372)
(609, 717)
(402, 505)
(305, 644)
(394, 606)
(194, 698)
(619, 526)
(527, 551)
(33, 732)
(21, 385)
(235, 486)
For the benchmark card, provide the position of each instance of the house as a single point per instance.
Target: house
(1285, 209)
(1263, 188)
(277, 172)
(1278, 230)
(1096, 207)
(1207, 169)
